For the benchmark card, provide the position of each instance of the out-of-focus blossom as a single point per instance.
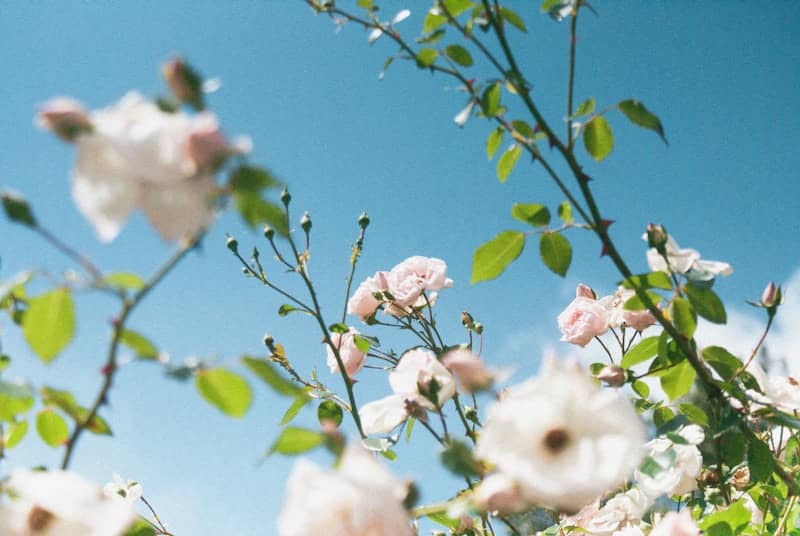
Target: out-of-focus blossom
(562, 438)
(361, 498)
(685, 261)
(681, 464)
(624, 510)
(469, 369)
(384, 415)
(583, 319)
(129, 490)
(676, 524)
(65, 117)
(185, 83)
(399, 17)
(498, 493)
(60, 503)
(352, 358)
(780, 392)
(612, 375)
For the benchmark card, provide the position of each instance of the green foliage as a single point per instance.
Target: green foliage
(330, 411)
(49, 323)
(140, 344)
(457, 7)
(65, 401)
(140, 528)
(727, 522)
(490, 101)
(493, 257)
(507, 161)
(13, 434)
(678, 380)
(257, 212)
(457, 457)
(585, 108)
(635, 303)
(722, 361)
(426, 57)
(598, 138)
(52, 428)
(459, 55)
(650, 280)
(14, 399)
(644, 350)
(513, 18)
(124, 281)
(300, 401)
(494, 141)
(265, 371)
(556, 252)
(531, 213)
(706, 303)
(760, 460)
(694, 414)
(17, 209)
(683, 316)
(293, 441)
(225, 390)
(565, 212)
(639, 115)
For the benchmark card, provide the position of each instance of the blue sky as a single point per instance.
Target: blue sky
(723, 77)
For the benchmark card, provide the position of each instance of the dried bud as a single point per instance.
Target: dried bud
(363, 220)
(769, 296)
(709, 478)
(305, 222)
(741, 478)
(657, 237)
(466, 320)
(612, 375)
(286, 197)
(478, 328)
(232, 244)
(184, 82)
(269, 342)
(66, 118)
(269, 232)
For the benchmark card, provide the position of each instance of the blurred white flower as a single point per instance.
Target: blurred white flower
(680, 464)
(498, 493)
(622, 511)
(129, 490)
(60, 503)
(562, 438)
(469, 369)
(384, 415)
(674, 524)
(781, 392)
(361, 498)
(685, 261)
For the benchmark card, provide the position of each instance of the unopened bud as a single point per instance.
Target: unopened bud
(184, 82)
(612, 375)
(768, 297)
(269, 232)
(363, 220)
(232, 244)
(657, 237)
(741, 478)
(66, 118)
(305, 222)
(478, 328)
(269, 342)
(466, 320)
(286, 197)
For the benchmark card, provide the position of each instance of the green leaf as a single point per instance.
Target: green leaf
(65, 401)
(124, 280)
(294, 441)
(329, 410)
(736, 517)
(678, 380)
(635, 303)
(14, 399)
(426, 57)
(5, 361)
(531, 213)
(641, 388)
(49, 323)
(267, 373)
(225, 390)
(432, 22)
(512, 18)
(139, 343)
(695, 414)
(598, 138)
(256, 212)
(52, 428)
(493, 257)
(652, 280)
(523, 128)
(585, 108)
(507, 161)
(565, 212)
(636, 112)
(140, 528)
(644, 350)
(457, 457)
(490, 100)
(457, 7)
(298, 403)
(760, 460)
(362, 343)
(287, 308)
(706, 303)
(251, 180)
(459, 54)
(17, 209)
(442, 519)
(722, 361)
(556, 252)
(683, 316)
(493, 142)
(14, 433)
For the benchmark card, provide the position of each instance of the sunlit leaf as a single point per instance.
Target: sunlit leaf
(639, 115)
(493, 257)
(598, 138)
(225, 390)
(556, 252)
(49, 323)
(52, 428)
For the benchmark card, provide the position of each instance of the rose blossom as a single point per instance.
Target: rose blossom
(617, 314)
(562, 438)
(583, 319)
(409, 279)
(679, 470)
(352, 358)
(60, 503)
(498, 493)
(470, 370)
(674, 524)
(361, 498)
(128, 490)
(685, 261)
(363, 302)
(621, 511)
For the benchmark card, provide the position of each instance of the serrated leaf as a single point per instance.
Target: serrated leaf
(531, 213)
(494, 141)
(124, 280)
(512, 18)
(52, 428)
(17, 209)
(598, 138)
(650, 280)
(678, 380)
(459, 54)
(507, 162)
(585, 108)
(293, 441)
(722, 361)
(329, 410)
(695, 414)
(49, 323)
(225, 390)
(426, 57)
(490, 100)
(639, 115)
(556, 252)
(706, 303)
(644, 350)
(265, 371)
(140, 344)
(493, 257)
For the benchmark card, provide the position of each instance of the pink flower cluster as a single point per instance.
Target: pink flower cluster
(588, 317)
(401, 288)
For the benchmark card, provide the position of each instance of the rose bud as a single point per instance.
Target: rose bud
(65, 117)
(612, 375)
(768, 297)
(184, 82)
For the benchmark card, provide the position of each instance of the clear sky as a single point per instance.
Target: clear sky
(723, 77)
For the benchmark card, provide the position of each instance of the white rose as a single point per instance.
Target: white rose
(674, 524)
(361, 498)
(409, 279)
(416, 374)
(681, 467)
(562, 438)
(352, 358)
(685, 261)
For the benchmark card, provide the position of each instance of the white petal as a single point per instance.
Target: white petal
(181, 209)
(401, 16)
(463, 116)
(384, 415)
(374, 35)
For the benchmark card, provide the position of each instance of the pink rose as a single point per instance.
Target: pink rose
(409, 279)
(206, 145)
(469, 369)
(363, 302)
(352, 358)
(583, 320)
(65, 117)
(676, 525)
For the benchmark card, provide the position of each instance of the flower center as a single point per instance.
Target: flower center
(556, 440)
(39, 519)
